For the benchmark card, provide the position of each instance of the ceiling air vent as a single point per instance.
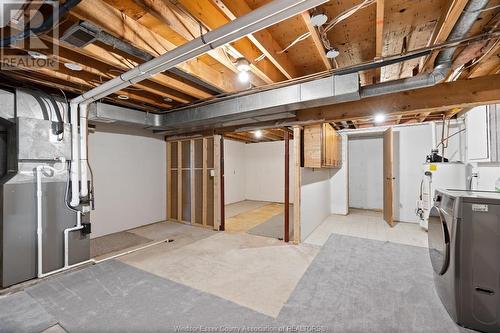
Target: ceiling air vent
(78, 36)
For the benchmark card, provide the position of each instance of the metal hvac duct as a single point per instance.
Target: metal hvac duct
(286, 99)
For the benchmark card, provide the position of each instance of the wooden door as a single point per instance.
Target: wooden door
(388, 177)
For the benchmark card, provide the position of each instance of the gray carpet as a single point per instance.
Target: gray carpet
(115, 242)
(21, 313)
(115, 297)
(274, 227)
(353, 285)
(361, 285)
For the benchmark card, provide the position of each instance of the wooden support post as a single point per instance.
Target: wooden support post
(222, 188)
(169, 180)
(205, 181)
(179, 181)
(218, 188)
(193, 185)
(297, 138)
(286, 236)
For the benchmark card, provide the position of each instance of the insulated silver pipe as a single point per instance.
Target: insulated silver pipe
(267, 15)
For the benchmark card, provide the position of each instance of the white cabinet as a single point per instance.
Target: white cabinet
(483, 133)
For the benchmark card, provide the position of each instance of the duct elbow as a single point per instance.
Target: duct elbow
(440, 72)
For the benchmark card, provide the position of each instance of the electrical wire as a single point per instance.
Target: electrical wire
(297, 40)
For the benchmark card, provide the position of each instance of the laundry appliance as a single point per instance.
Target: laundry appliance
(464, 248)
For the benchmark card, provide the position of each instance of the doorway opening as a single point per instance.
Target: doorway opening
(256, 181)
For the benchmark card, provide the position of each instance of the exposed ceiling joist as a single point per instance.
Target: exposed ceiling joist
(126, 28)
(263, 40)
(207, 13)
(318, 44)
(447, 21)
(444, 96)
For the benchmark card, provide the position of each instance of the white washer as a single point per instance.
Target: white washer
(443, 175)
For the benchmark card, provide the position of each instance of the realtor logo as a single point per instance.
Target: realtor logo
(27, 32)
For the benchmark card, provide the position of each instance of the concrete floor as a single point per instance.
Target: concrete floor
(368, 224)
(257, 272)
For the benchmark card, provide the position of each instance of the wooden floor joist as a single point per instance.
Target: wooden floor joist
(442, 97)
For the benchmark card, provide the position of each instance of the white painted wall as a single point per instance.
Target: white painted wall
(339, 189)
(366, 172)
(234, 171)
(256, 171)
(265, 171)
(129, 180)
(315, 199)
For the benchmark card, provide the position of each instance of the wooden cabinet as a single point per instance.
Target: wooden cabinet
(322, 147)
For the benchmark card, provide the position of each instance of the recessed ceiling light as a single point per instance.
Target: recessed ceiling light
(317, 20)
(37, 55)
(242, 65)
(243, 76)
(124, 97)
(73, 66)
(380, 118)
(258, 134)
(332, 53)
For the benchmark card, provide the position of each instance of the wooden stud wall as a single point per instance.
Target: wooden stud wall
(193, 182)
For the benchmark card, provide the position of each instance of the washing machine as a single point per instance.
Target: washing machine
(464, 248)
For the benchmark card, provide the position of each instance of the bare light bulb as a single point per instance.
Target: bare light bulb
(243, 76)
(380, 118)
(258, 134)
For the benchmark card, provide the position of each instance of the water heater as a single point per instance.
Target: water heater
(441, 175)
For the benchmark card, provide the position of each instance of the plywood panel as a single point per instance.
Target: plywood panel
(173, 155)
(186, 195)
(210, 153)
(312, 146)
(198, 196)
(173, 197)
(210, 200)
(198, 153)
(186, 154)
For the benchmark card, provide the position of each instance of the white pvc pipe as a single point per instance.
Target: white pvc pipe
(433, 134)
(66, 236)
(83, 150)
(75, 156)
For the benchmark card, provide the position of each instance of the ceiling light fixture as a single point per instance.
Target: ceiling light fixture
(380, 118)
(72, 66)
(37, 55)
(242, 65)
(258, 134)
(317, 20)
(243, 76)
(332, 53)
(167, 99)
(124, 97)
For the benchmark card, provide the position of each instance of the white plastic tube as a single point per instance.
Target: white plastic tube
(75, 156)
(84, 191)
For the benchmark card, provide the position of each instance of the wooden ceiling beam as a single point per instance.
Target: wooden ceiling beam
(318, 44)
(447, 21)
(262, 39)
(101, 52)
(107, 71)
(379, 28)
(177, 27)
(444, 96)
(126, 28)
(207, 12)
